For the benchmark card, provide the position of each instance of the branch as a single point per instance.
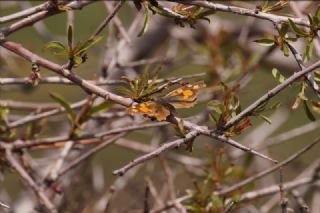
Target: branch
(271, 93)
(29, 181)
(24, 13)
(268, 171)
(274, 189)
(30, 20)
(87, 86)
(244, 11)
(191, 135)
(89, 153)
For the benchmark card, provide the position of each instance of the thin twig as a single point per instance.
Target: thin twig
(191, 135)
(268, 171)
(89, 153)
(30, 182)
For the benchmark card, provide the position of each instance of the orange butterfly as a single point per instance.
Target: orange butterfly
(161, 107)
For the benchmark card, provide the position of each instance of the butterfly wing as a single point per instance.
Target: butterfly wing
(185, 96)
(151, 109)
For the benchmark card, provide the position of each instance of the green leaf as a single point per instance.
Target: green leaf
(4, 111)
(125, 91)
(265, 118)
(145, 23)
(77, 60)
(213, 118)
(55, 45)
(296, 29)
(285, 50)
(277, 75)
(265, 42)
(275, 106)
(216, 201)
(317, 13)
(216, 106)
(70, 37)
(310, 20)
(86, 45)
(308, 111)
(181, 130)
(308, 52)
(104, 106)
(228, 171)
(283, 30)
(316, 20)
(316, 106)
(60, 100)
(301, 94)
(291, 39)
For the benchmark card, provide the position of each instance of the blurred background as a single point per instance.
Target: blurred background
(222, 50)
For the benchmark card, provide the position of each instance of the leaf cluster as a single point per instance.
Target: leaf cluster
(221, 171)
(76, 54)
(308, 35)
(279, 5)
(191, 14)
(141, 87)
(282, 40)
(227, 108)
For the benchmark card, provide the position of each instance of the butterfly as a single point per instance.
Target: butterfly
(161, 107)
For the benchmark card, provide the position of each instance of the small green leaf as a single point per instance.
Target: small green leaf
(275, 106)
(308, 52)
(296, 29)
(145, 23)
(317, 13)
(216, 201)
(301, 94)
(316, 106)
(308, 111)
(70, 37)
(86, 45)
(213, 118)
(55, 45)
(277, 75)
(228, 171)
(283, 30)
(60, 100)
(104, 106)
(125, 91)
(181, 130)
(77, 60)
(265, 118)
(265, 42)
(310, 20)
(285, 50)
(216, 106)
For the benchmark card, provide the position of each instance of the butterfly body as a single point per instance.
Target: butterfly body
(161, 107)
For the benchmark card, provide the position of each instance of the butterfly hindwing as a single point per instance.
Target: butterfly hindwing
(160, 108)
(151, 109)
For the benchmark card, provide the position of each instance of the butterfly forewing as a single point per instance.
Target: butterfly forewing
(160, 108)
(184, 97)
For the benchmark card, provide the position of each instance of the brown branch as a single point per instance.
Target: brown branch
(87, 86)
(89, 153)
(108, 19)
(268, 171)
(191, 135)
(30, 182)
(24, 13)
(30, 20)
(244, 11)
(271, 93)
